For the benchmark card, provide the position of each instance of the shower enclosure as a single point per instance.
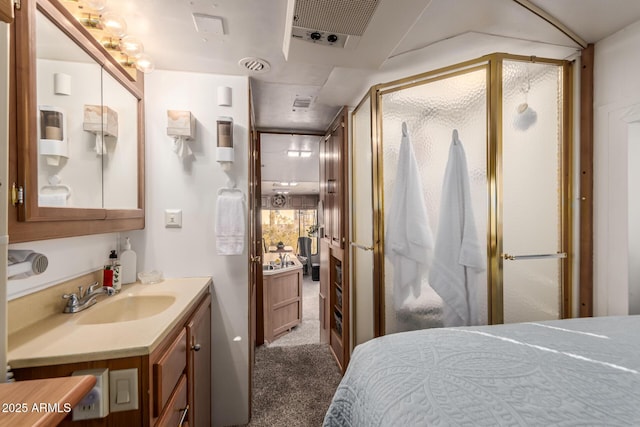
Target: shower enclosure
(509, 196)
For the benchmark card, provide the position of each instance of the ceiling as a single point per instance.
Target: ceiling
(278, 168)
(398, 41)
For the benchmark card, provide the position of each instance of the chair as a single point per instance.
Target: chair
(304, 248)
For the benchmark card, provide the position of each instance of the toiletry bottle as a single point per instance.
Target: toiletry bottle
(115, 266)
(128, 260)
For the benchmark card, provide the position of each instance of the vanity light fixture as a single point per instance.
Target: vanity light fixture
(96, 4)
(305, 154)
(132, 46)
(113, 24)
(144, 63)
(110, 29)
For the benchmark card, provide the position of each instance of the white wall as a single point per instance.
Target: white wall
(192, 185)
(68, 258)
(616, 100)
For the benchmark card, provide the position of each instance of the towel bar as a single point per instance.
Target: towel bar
(363, 247)
(540, 256)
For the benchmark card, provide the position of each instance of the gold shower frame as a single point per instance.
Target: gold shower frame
(493, 64)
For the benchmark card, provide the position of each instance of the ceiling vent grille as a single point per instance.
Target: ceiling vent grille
(255, 65)
(335, 16)
(302, 102)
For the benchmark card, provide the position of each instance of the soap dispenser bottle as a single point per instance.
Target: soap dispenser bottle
(128, 261)
(115, 266)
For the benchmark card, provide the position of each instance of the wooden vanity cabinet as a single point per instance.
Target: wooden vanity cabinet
(175, 378)
(282, 299)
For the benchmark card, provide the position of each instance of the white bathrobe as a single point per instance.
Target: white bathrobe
(458, 254)
(408, 240)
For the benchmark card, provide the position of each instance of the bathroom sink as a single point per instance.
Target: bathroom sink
(267, 267)
(126, 309)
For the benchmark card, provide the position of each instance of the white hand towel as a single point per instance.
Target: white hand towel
(458, 254)
(230, 223)
(408, 241)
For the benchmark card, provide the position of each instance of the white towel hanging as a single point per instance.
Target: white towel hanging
(458, 252)
(230, 221)
(408, 239)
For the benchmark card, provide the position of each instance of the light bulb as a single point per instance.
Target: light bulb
(114, 24)
(131, 46)
(144, 63)
(96, 5)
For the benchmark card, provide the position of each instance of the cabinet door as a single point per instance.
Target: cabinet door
(175, 410)
(324, 290)
(199, 336)
(336, 165)
(326, 182)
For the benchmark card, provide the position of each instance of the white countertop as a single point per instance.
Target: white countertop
(61, 339)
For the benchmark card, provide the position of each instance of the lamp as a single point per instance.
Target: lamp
(132, 46)
(144, 63)
(95, 4)
(113, 24)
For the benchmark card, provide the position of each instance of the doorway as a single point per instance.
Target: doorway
(287, 309)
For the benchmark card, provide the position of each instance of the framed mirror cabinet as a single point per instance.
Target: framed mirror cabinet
(76, 154)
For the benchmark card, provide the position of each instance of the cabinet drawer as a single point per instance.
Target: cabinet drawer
(175, 407)
(167, 371)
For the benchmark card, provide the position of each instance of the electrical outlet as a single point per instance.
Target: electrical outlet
(173, 218)
(95, 404)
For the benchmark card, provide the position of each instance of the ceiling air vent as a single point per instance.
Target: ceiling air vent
(255, 65)
(332, 22)
(302, 102)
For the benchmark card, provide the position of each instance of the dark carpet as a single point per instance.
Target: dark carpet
(293, 386)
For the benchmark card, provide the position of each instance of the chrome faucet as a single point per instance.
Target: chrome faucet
(83, 300)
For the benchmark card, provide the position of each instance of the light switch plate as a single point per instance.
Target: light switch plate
(123, 387)
(173, 218)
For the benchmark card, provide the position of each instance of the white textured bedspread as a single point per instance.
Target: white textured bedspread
(561, 373)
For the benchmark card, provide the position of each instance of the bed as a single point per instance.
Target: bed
(564, 372)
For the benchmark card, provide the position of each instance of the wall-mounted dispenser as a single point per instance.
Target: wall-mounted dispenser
(52, 133)
(181, 125)
(224, 96)
(23, 263)
(102, 121)
(224, 151)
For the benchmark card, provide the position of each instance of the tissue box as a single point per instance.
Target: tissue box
(99, 118)
(181, 123)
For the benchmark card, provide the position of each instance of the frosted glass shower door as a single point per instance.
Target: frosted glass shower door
(532, 167)
(362, 225)
(431, 111)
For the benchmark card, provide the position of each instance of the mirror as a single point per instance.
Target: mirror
(87, 128)
(79, 147)
(64, 149)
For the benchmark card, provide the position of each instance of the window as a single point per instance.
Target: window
(286, 225)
